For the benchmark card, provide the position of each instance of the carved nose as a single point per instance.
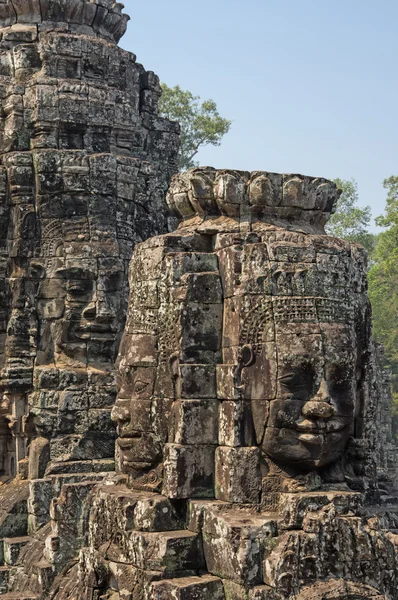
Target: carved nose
(318, 410)
(104, 312)
(120, 414)
(90, 311)
(320, 405)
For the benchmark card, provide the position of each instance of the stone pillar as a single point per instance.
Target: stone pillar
(86, 162)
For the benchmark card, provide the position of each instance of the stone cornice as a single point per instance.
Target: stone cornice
(105, 18)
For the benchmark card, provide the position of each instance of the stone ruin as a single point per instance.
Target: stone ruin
(236, 445)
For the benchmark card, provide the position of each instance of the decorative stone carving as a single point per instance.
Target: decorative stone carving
(247, 396)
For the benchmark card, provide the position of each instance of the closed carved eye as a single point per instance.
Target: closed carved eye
(291, 380)
(77, 291)
(300, 383)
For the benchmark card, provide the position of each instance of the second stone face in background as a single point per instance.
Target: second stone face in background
(86, 160)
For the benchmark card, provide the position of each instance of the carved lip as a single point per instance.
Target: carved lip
(125, 443)
(97, 331)
(311, 438)
(320, 426)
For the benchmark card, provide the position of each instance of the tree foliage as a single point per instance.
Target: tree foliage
(350, 221)
(383, 281)
(201, 123)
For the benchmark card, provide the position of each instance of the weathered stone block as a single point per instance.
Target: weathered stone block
(238, 477)
(5, 576)
(204, 288)
(188, 471)
(195, 422)
(157, 513)
(295, 507)
(41, 492)
(12, 549)
(14, 509)
(189, 588)
(234, 591)
(226, 382)
(234, 544)
(39, 457)
(197, 381)
(169, 552)
(236, 423)
(264, 592)
(201, 326)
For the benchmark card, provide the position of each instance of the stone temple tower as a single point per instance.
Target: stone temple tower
(85, 164)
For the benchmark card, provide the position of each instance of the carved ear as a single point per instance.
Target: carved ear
(247, 356)
(173, 363)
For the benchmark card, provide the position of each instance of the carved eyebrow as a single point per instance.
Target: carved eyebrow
(294, 377)
(75, 273)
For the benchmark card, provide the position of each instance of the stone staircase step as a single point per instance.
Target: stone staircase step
(12, 549)
(206, 587)
(20, 596)
(81, 466)
(173, 553)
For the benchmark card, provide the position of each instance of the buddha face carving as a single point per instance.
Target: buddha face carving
(292, 336)
(81, 312)
(280, 335)
(145, 384)
(138, 446)
(302, 388)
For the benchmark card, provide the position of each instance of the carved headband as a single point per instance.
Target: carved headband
(284, 310)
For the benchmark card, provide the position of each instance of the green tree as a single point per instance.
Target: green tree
(201, 123)
(350, 221)
(383, 281)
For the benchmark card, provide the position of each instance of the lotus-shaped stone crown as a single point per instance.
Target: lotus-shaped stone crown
(208, 193)
(103, 17)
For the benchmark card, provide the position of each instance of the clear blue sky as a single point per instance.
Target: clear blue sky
(311, 85)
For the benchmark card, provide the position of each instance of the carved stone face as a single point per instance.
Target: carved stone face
(141, 412)
(83, 309)
(145, 377)
(290, 331)
(138, 446)
(302, 389)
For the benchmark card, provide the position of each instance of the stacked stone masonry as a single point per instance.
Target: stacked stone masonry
(85, 160)
(186, 415)
(248, 391)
